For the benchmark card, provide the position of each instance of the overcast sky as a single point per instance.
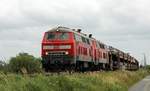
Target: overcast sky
(124, 24)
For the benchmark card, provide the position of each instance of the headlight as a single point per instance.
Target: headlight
(65, 47)
(66, 53)
(48, 47)
(46, 53)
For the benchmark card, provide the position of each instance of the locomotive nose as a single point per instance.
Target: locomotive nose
(58, 49)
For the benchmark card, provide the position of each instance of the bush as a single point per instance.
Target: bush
(148, 68)
(25, 63)
(3, 67)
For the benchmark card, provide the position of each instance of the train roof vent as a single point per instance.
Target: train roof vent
(79, 30)
(90, 35)
(62, 27)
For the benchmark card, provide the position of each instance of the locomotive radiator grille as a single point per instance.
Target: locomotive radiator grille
(57, 57)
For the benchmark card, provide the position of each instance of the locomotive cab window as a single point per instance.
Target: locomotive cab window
(88, 41)
(83, 40)
(51, 36)
(62, 36)
(77, 37)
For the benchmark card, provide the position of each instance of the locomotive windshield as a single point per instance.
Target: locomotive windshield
(62, 36)
(51, 36)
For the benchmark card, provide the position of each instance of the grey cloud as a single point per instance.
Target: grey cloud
(61, 15)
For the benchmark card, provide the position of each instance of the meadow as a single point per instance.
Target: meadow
(90, 81)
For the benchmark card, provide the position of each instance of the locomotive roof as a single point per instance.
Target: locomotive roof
(65, 29)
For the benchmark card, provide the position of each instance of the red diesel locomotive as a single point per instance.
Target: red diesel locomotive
(69, 49)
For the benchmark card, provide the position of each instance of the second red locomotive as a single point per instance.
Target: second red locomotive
(69, 49)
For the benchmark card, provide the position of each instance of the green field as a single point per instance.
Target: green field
(91, 81)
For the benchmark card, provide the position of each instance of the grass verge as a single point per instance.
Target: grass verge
(94, 81)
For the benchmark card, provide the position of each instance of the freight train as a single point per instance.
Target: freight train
(69, 49)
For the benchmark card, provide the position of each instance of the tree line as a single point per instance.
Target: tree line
(22, 63)
(27, 64)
